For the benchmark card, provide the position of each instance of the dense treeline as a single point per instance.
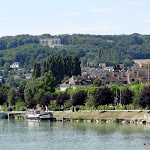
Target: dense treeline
(62, 66)
(41, 91)
(110, 49)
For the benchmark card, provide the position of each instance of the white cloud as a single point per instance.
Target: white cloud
(147, 21)
(144, 17)
(146, 14)
(69, 14)
(101, 10)
(135, 3)
(4, 19)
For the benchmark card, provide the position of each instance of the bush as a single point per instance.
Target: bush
(19, 106)
(13, 108)
(67, 103)
(52, 104)
(136, 120)
(9, 109)
(67, 108)
(117, 120)
(4, 107)
(107, 107)
(22, 108)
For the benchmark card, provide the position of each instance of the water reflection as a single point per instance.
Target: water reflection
(21, 134)
(102, 128)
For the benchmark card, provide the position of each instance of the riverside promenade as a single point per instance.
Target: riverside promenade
(88, 114)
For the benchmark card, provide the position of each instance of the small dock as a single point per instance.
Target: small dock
(12, 114)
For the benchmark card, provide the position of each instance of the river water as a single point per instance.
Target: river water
(23, 135)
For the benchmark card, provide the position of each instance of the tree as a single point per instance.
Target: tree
(12, 96)
(62, 66)
(6, 69)
(116, 68)
(144, 99)
(127, 97)
(79, 98)
(38, 87)
(128, 63)
(4, 88)
(62, 98)
(137, 81)
(36, 71)
(45, 100)
(3, 98)
(103, 96)
(65, 79)
(97, 82)
(20, 92)
(76, 70)
(32, 103)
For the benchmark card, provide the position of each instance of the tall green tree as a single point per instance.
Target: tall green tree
(12, 96)
(38, 87)
(76, 70)
(62, 66)
(36, 71)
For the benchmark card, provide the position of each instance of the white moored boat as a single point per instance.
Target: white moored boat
(37, 114)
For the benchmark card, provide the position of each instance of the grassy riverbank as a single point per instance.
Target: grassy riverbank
(101, 114)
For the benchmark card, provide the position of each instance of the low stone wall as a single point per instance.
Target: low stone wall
(116, 120)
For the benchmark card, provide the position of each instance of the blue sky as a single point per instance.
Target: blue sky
(106, 17)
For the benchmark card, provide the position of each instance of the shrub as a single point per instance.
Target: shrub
(4, 107)
(117, 120)
(22, 108)
(102, 120)
(9, 109)
(135, 120)
(19, 104)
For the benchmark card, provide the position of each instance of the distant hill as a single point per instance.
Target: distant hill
(110, 49)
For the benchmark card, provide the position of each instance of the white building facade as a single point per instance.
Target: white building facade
(15, 65)
(55, 42)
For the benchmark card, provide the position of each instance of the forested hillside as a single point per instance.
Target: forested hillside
(110, 49)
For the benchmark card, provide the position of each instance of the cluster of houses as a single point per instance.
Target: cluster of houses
(108, 76)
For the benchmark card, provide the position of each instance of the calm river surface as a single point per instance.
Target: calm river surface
(23, 135)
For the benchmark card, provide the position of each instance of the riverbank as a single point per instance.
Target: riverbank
(122, 116)
(101, 116)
